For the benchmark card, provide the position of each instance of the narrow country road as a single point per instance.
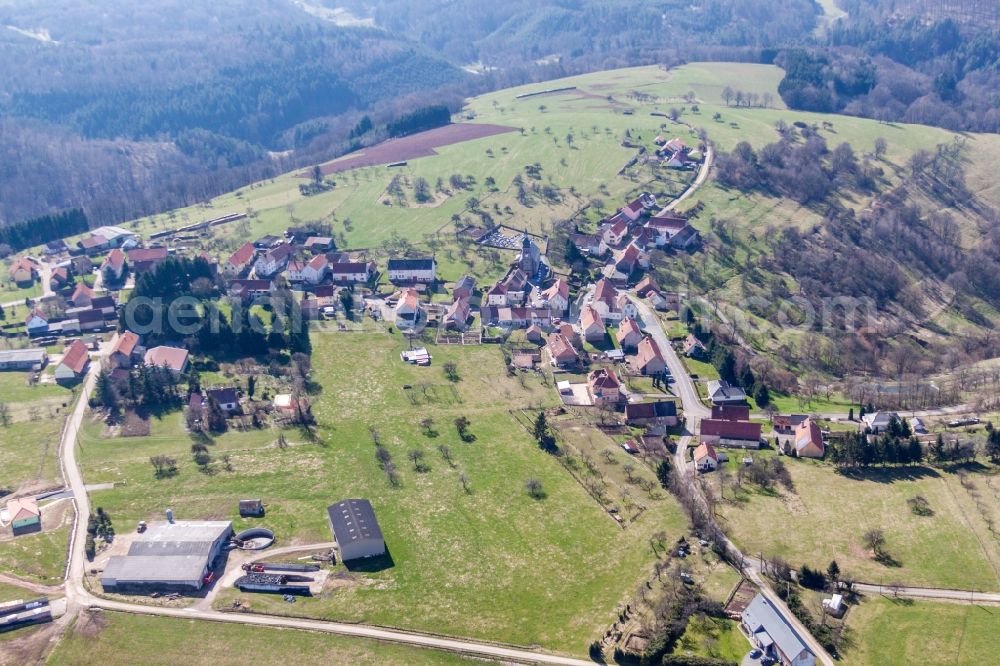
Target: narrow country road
(698, 181)
(78, 597)
(694, 411)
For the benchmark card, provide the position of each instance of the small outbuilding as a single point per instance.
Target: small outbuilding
(24, 515)
(356, 529)
(251, 508)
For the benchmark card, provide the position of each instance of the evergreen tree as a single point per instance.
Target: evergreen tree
(940, 455)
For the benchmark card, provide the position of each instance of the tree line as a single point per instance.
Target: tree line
(39, 230)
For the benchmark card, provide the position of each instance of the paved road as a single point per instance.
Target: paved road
(698, 181)
(694, 411)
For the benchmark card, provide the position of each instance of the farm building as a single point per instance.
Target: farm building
(24, 515)
(23, 359)
(661, 412)
(741, 434)
(174, 359)
(402, 271)
(356, 529)
(168, 555)
(772, 633)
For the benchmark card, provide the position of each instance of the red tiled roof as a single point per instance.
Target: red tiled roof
(23, 263)
(147, 254)
(243, 255)
(172, 357)
(589, 317)
(115, 259)
(318, 262)
(807, 433)
(75, 358)
(705, 450)
(627, 328)
(648, 351)
(730, 429)
(560, 347)
(559, 287)
(82, 290)
(603, 378)
(126, 343)
(605, 292)
(21, 508)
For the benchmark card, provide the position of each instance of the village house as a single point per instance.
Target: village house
(592, 245)
(405, 271)
(786, 424)
(24, 515)
(736, 434)
(315, 270)
(808, 440)
(146, 258)
(248, 289)
(88, 319)
(771, 633)
(59, 278)
(616, 230)
(227, 398)
(465, 287)
(694, 348)
(731, 412)
(721, 392)
(294, 271)
(705, 458)
(408, 309)
(56, 246)
(561, 351)
(114, 265)
(510, 291)
(649, 360)
(878, 421)
(661, 412)
(628, 260)
(74, 363)
(634, 209)
(645, 287)
(174, 359)
(239, 262)
(273, 261)
(267, 242)
(125, 350)
(591, 324)
(457, 315)
(82, 296)
(319, 243)
(555, 297)
(604, 387)
(36, 323)
(23, 271)
(534, 334)
(611, 304)
(351, 272)
(665, 300)
(629, 335)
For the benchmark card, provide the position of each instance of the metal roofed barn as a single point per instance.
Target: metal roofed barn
(168, 555)
(356, 529)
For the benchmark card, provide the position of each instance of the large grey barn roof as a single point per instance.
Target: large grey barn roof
(761, 615)
(186, 537)
(353, 520)
(151, 569)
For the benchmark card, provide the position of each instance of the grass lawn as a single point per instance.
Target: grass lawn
(492, 564)
(826, 516)
(14, 388)
(705, 371)
(713, 637)
(111, 638)
(28, 452)
(39, 557)
(920, 632)
(790, 404)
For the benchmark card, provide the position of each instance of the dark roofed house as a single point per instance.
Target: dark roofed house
(731, 412)
(741, 434)
(773, 634)
(227, 398)
(146, 259)
(412, 270)
(661, 412)
(721, 392)
(356, 529)
(787, 423)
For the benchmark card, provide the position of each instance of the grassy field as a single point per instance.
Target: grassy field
(28, 453)
(491, 563)
(886, 631)
(116, 638)
(39, 557)
(826, 516)
(713, 637)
